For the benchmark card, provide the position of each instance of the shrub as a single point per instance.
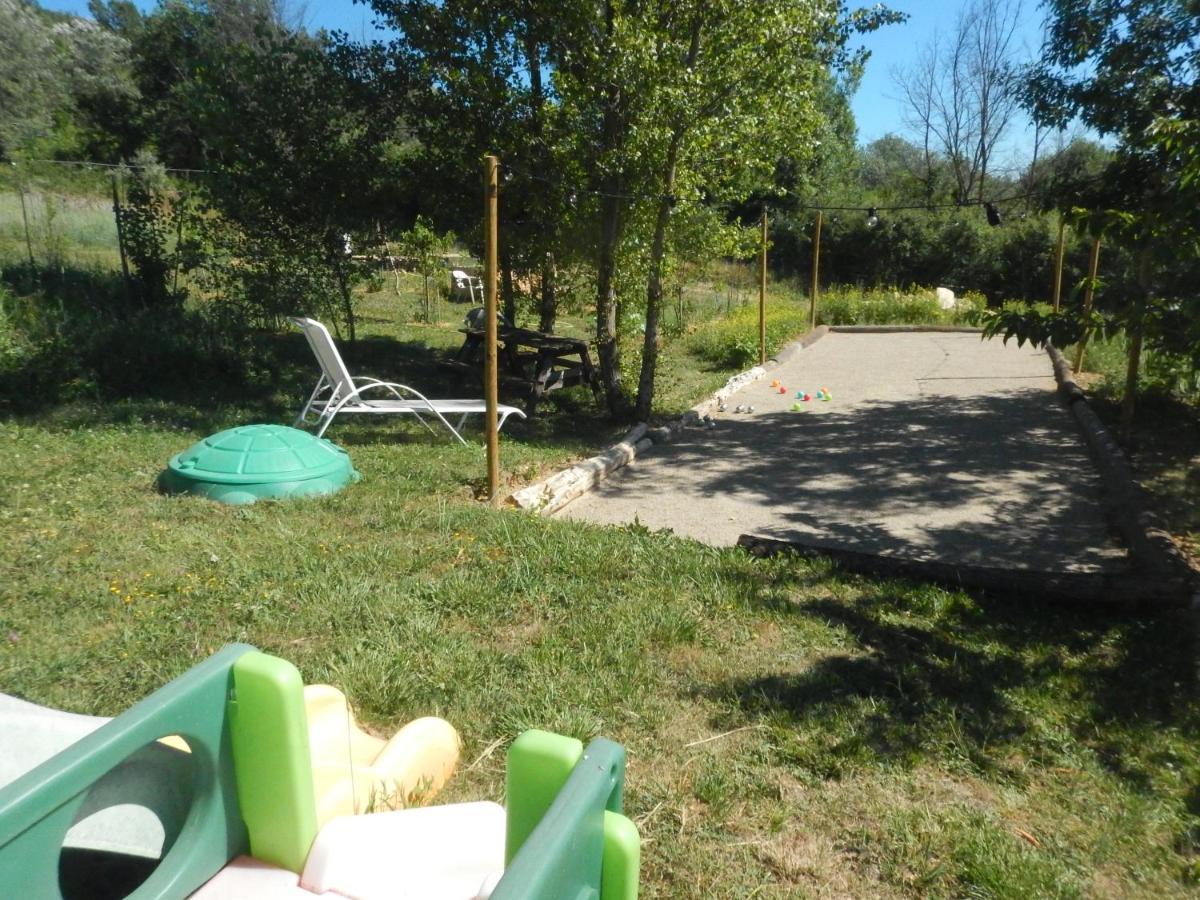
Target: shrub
(731, 342)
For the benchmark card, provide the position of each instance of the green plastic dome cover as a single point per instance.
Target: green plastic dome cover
(253, 462)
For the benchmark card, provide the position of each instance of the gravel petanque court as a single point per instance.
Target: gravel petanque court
(934, 446)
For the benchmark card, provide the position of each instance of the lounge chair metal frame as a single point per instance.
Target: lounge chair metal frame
(338, 391)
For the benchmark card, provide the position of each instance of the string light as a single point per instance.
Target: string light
(509, 172)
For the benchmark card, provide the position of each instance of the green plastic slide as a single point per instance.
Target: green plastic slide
(242, 715)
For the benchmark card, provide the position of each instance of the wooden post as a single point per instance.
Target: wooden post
(816, 268)
(1058, 262)
(1088, 294)
(121, 239)
(25, 219)
(762, 292)
(491, 196)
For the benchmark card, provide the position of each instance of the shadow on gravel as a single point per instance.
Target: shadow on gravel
(977, 482)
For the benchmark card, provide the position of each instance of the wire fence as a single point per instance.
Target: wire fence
(55, 227)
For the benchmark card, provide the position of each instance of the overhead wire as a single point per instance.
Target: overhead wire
(89, 164)
(674, 199)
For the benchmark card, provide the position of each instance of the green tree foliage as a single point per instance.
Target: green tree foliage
(728, 80)
(288, 133)
(1128, 69)
(57, 74)
(423, 246)
(148, 220)
(171, 49)
(476, 78)
(606, 114)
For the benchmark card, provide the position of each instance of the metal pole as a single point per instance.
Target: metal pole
(762, 292)
(816, 268)
(491, 196)
(1088, 294)
(1058, 262)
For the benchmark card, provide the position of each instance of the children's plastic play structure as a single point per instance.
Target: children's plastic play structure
(254, 462)
(275, 786)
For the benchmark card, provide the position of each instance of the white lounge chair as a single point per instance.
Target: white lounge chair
(339, 392)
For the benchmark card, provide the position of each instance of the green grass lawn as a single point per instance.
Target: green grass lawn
(792, 731)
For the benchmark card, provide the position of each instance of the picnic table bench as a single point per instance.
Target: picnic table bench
(529, 362)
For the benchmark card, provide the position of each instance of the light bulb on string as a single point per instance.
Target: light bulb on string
(993, 214)
(872, 217)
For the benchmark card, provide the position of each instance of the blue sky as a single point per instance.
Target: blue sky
(875, 107)
(876, 110)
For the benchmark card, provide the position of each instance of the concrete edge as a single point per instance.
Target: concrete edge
(904, 329)
(1117, 591)
(1150, 544)
(552, 493)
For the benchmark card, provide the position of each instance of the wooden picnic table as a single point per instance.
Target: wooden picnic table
(530, 362)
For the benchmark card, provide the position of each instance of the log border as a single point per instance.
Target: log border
(1150, 544)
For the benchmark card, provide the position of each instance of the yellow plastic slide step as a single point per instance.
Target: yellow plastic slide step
(355, 772)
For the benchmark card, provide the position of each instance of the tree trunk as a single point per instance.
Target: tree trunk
(1131, 382)
(339, 271)
(1134, 359)
(608, 350)
(548, 309)
(507, 291)
(654, 288)
(607, 347)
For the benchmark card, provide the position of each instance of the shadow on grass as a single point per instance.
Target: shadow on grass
(928, 675)
(988, 480)
(137, 379)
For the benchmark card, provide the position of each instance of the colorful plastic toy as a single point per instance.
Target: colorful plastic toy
(253, 800)
(354, 772)
(782, 389)
(796, 407)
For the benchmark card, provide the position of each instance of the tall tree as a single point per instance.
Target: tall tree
(1128, 69)
(724, 80)
(475, 78)
(961, 94)
(680, 102)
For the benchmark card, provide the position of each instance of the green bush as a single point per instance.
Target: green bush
(954, 248)
(731, 342)
(848, 306)
(78, 334)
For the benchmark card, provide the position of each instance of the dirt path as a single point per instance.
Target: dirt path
(934, 446)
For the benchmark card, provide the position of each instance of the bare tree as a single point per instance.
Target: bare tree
(960, 95)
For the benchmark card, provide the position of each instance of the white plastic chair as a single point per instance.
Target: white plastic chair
(464, 286)
(339, 392)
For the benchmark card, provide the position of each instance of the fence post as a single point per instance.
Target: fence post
(762, 291)
(491, 194)
(816, 269)
(1058, 262)
(1088, 294)
(121, 239)
(25, 219)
